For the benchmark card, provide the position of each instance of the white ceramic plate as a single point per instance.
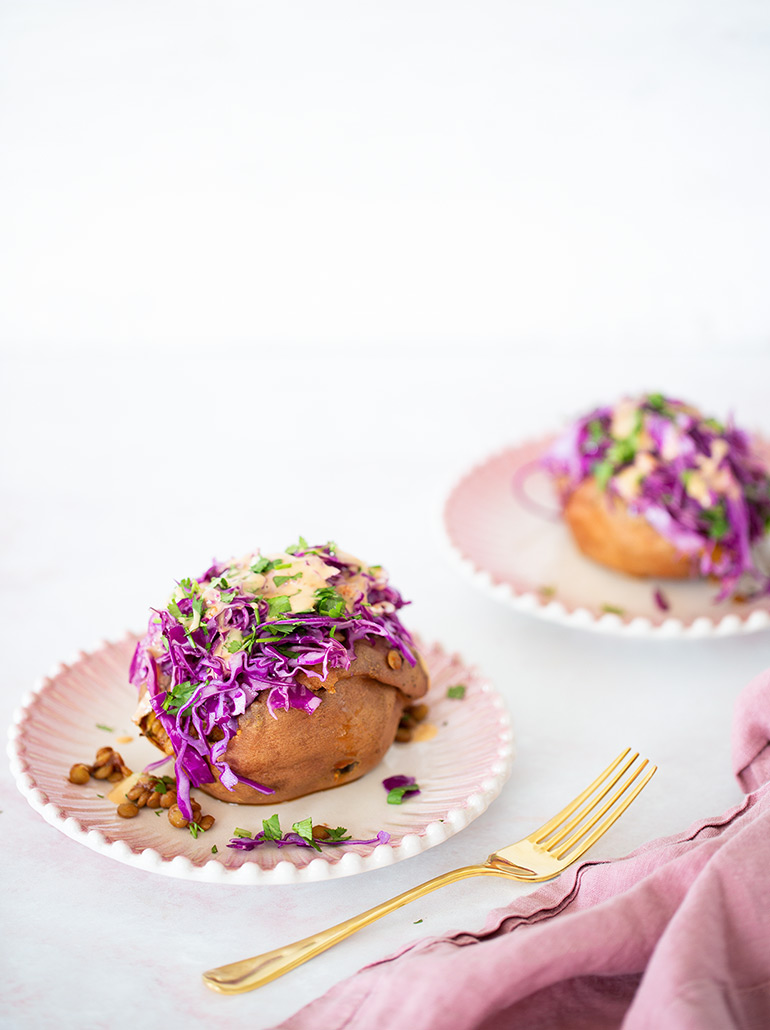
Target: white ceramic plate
(88, 704)
(503, 527)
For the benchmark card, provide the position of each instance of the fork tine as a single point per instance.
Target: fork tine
(590, 805)
(552, 824)
(582, 845)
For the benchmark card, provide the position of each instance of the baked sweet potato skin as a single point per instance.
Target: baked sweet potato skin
(606, 531)
(297, 753)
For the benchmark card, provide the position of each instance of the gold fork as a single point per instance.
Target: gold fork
(540, 856)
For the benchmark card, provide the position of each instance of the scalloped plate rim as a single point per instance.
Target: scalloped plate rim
(250, 873)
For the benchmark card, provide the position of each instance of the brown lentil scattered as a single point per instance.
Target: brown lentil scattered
(207, 822)
(403, 735)
(176, 818)
(127, 810)
(168, 800)
(321, 833)
(79, 773)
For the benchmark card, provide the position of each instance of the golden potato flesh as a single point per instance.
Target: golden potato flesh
(605, 530)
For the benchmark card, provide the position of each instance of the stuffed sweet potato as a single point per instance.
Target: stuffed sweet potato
(652, 488)
(275, 676)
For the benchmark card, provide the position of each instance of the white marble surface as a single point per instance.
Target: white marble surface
(267, 272)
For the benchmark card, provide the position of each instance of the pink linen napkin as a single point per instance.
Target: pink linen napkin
(675, 935)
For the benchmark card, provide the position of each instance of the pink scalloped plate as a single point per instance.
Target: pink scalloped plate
(503, 525)
(88, 704)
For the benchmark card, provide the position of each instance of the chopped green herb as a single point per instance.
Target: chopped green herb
(340, 833)
(280, 580)
(179, 697)
(264, 565)
(719, 526)
(238, 832)
(417, 921)
(159, 811)
(214, 849)
(328, 602)
(301, 546)
(219, 583)
(613, 609)
(305, 830)
(195, 829)
(236, 644)
(197, 606)
(595, 430)
(278, 606)
(621, 452)
(107, 729)
(602, 473)
(396, 796)
(100, 796)
(272, 828)
(457, 692)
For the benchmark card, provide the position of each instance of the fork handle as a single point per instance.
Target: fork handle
(238, 977)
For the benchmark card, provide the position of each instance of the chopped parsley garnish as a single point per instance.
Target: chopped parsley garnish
(719, 526)
(264, 565)
(457, 692)
(328, 602)
(107, 729)
(656, 401)
(214, 849)
(396, 796)
(179, 697)
(195, 829)
(304, 829)
(602, 472)
(336, 835)
(277, 606)
(280, 580)
(271, 828)
(416, 922)
(238, 832)
(400, 787)
(595, 431)
(621, 452)
(613, 609)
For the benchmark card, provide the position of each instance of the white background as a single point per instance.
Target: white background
(279, 269)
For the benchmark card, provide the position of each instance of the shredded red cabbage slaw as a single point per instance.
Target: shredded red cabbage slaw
(694, 479)
(243, 632)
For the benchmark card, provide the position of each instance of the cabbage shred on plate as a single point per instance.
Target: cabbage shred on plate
(251, 627)
(694, 479)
